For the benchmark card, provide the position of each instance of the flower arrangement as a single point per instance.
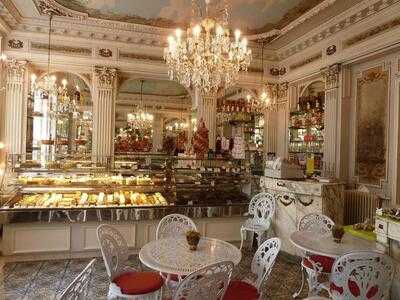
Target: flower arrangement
(193, 239)
(337, 233)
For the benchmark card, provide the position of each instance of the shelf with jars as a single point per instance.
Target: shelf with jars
(306, 133)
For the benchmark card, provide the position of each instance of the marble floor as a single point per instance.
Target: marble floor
(46, 279)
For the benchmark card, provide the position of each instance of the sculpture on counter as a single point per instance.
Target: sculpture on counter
(200, 140)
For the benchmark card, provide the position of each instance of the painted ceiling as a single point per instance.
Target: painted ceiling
(153, 87)
(251, 16)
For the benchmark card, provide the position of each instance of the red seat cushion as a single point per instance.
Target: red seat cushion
(355, 290)
(325, 261)
(139, 283)
(240, 290)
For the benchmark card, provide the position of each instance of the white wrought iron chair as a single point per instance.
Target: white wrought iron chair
(208, 283)
(173, 225)
(78, 288)
(315, 265)
(263, 261)
(125, 281)
(261, 211)
(362, 275)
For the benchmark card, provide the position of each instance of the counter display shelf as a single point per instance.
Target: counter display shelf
(58, 209)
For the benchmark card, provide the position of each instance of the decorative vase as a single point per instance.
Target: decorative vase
(193, 239)
(337, 233)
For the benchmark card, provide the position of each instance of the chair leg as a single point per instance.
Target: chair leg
(242, 237)
(259, 239)
(313, 284)
(295, 295)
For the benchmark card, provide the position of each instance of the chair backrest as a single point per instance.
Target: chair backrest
(208, 283)
(174, 225)
(264, 260)
(317, 223)
(362, 275)
(262, 207)
(114, 249)
(78, 288)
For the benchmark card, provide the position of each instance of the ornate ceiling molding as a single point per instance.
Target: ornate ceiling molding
(51, 7)
(340, 25)
(9, 14)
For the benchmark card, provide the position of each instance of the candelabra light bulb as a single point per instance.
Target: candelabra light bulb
(64, 82)
(2, 146)
(237, 35)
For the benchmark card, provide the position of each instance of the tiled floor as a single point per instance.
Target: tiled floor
(47, 279)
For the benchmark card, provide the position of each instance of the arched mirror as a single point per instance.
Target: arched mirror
(59, 118)
(306, 128)
(147, 111)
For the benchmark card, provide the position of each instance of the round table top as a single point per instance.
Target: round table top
(323, 244)
(172, 255)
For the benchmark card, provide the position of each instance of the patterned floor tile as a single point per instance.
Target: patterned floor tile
(46, 279)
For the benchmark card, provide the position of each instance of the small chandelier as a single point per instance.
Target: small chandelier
(140, 119)
(266, 98)
(207, 58)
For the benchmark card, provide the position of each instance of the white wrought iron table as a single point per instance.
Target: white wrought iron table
(172, 255)
(323, 244)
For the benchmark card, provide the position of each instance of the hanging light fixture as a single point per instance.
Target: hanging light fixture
(140, 119)
(207, 59)
(266, 97)
(63, 103)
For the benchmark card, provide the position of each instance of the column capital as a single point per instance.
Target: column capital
(105, 76)
(15, 70)
(331, 75)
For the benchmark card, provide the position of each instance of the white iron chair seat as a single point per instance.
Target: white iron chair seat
(137, 283)
(256, 227)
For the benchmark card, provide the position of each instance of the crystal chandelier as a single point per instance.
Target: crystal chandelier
(207, 59)
(140, 119)
(62, 102)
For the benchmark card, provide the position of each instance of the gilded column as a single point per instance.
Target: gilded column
(332, 119)
(15, 106)
(207, 110)
(158, 127)
(104, 89)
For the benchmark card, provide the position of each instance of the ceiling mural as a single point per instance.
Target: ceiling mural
(251, 16)
(154, 87)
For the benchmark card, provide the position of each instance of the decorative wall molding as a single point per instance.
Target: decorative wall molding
(306, 61)
(331, 50)
(339, 26)
(15, 44)
(103, 52)
(10, 16)
(331, 76)
(61, 49)
(105, 76)
(372, 32)
(16, 70)
(136, 56)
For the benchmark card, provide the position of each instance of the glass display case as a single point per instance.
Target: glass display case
(71, 189)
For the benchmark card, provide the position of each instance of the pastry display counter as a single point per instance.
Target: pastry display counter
(296, 199)
(46, 208)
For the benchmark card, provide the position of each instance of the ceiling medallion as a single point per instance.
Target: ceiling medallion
(206, 58)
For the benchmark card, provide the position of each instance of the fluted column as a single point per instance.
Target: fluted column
(332, 120)
(15, 106)
(270, 132)
(104, 89)
(207, 111)
(158, 127)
